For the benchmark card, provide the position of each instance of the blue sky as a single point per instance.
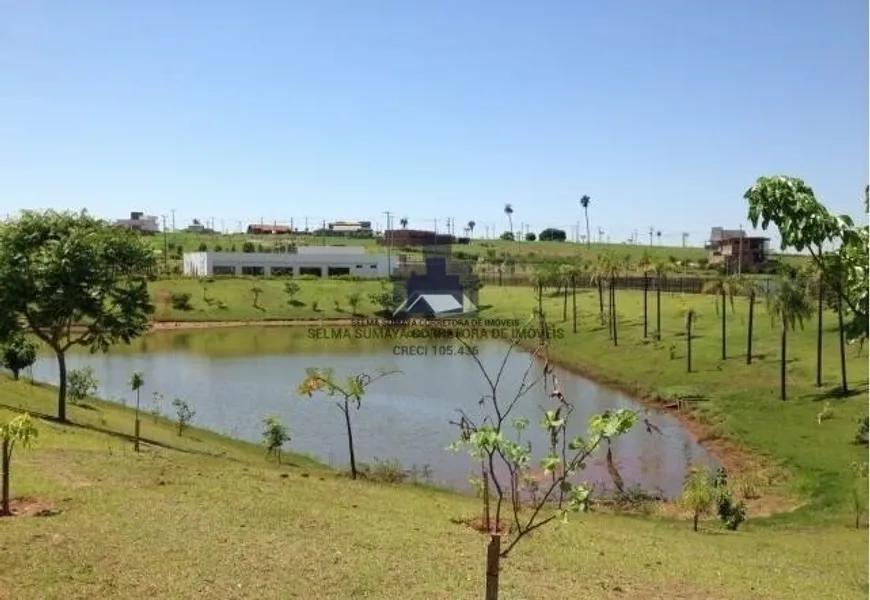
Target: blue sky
(663, 112)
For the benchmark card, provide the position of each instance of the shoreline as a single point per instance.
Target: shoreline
(736, 459)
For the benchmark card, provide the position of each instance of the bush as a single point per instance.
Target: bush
(275, 435)
(531, 237)
(203, 247)
(184, 413)
(507, 236)
(17, 354)
(248, 247)
(180, 301)
(732, 515)
(81, 383)
(383, 471)
(552, 234)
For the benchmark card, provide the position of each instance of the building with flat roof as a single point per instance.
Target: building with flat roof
(139, 221)
(325, 261)
(739, 252)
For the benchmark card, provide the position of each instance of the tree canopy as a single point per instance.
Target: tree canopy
(72, 279)
(804, 223)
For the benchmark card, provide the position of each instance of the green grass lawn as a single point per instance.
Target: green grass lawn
(200, 516)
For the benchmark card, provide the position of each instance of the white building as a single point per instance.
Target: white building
(325, 261)
(350, 226)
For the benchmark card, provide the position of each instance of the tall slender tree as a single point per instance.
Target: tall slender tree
(724, 288)
(471, 226)
(509, 211)
(645, 264)
(584, 202)
(660, 268)
(749, 288)
(790, 305)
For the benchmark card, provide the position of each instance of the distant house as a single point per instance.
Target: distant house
(268, 229)
(140, 222)
(718, 233)
(745, 252)
(349, 226)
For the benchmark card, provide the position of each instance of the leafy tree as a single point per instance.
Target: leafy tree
(82, 383)
(790, 305)
(137, 380)
(531, 237)
(275, 435)
(74, 280)
(804, 223)
(184, 413)
(291, 288)
(349, 393)
(584, 202)
(731, 514)
(471, 226)
(505, 459)
(553, 235)
(353, 301)
(507, 236)
(725, 287)
(17, 354)
(20, 430)
(698, 494)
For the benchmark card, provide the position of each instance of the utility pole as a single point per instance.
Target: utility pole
(389, 232)
(650, 237)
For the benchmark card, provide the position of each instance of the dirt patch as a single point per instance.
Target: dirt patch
(479, 525)
(31, 507)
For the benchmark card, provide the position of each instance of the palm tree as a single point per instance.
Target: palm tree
(659, 236)
(471, 226)
(404, 222)
(724, 287)
(645, 264)
(690, 318)
(584, 202)
(790, 305)
(749, 288)
(136, 383)
(509, 211)
(599, 274)
(660, 268)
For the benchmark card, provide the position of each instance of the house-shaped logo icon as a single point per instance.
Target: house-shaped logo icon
(437, 294)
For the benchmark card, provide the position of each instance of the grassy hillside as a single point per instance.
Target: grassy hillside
(204, 517)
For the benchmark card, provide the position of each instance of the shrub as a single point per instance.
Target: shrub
(248, 247)
(698, 495)
(17, 354)
(507, 236)
(180, 301)
(732, 515)
(203, 247)
(383, 471)
(184, 413)
(552, 234)
(531, 237)
(275, 435)
(81, 383)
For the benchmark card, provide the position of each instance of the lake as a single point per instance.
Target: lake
(234, 377)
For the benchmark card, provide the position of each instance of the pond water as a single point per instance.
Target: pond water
(234, 377)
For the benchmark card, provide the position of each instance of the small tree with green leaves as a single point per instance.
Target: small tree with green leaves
(348, 393)
(156, 405)
(82, 383)
(137, 380)
(353, 301)
(20, 430)
(275, 435)
(184, 413)
(256, 291)
(730, 513)
(505, 459)
(17, 354)
(291, 288)
(698, 494)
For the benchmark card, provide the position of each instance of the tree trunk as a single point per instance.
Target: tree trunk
(14, 374)
(565, 303)
(688, 344)
(782, 349)
(574, 301)
(5, 458)
(659, 310)
(695, 522)
(588, 239)
(540, 299)
(493, 557)
(724, 301)
(601, 301)
(749, 335)
(613, 310)
(645, 292)
(819, 337)
(136, 440)
(844, 385)
(350, 440)
(61, 387)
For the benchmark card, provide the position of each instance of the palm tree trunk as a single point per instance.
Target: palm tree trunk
(724, 354)
(588, 239)
(600, 300)
(689, 344)
(844, 385)
(645, 313)
(613, 309)
(782, 359)
(4, 487)
(346, 411)
(749, 335)
(819, 337)
(574, 301)
(659, 309)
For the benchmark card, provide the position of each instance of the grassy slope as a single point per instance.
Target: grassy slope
(173, 524)
(744, 403)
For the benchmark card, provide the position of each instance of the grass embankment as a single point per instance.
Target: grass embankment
(741, 402)
(206, 517)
